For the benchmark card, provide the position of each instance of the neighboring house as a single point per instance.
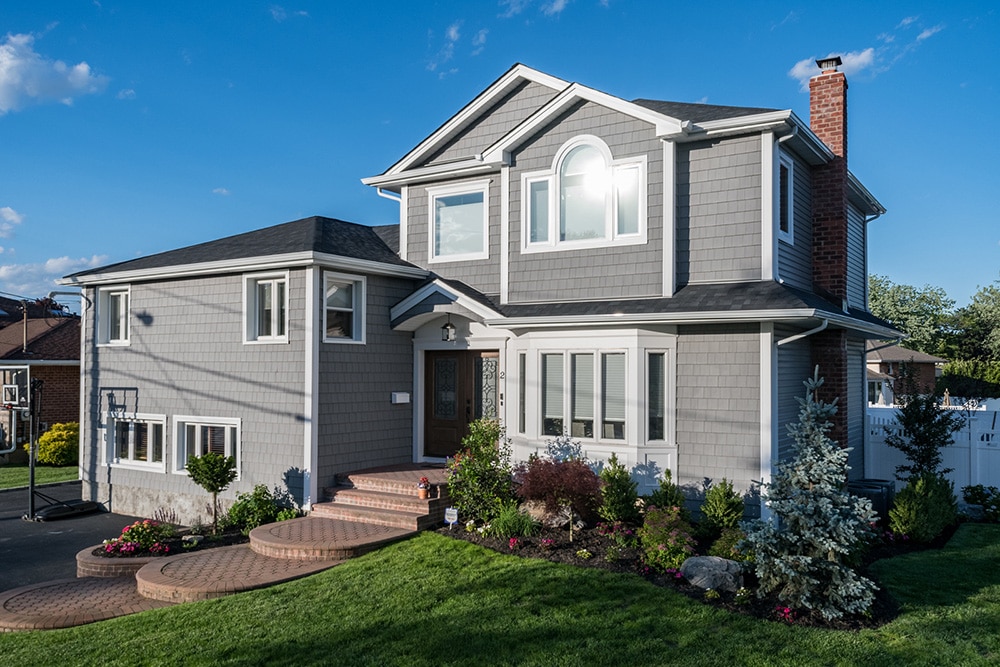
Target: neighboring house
(50, 348)
(885, 366)
(654, 279)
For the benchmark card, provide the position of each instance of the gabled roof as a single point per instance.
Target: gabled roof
(49, 339)
(877, 351)
(299, 241)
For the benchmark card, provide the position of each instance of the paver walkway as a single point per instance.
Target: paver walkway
(277, 553)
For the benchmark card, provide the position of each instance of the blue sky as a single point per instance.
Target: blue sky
(129, 128)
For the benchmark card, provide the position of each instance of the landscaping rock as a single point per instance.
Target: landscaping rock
(549, 519)
(713, 572)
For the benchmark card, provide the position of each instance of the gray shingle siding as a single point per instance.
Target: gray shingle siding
(358, 427)
(595, 273)
(718, 404)
(483, 274)
(500, 119)
(718, 210)
(857, 270)
(795, 259)
(794, 367)
(187, 357)
(857, 408)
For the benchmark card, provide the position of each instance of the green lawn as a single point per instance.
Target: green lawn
(13, 475)
(436, 601)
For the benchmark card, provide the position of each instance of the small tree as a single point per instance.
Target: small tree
(802, 554)
(214, 473)
(923, 429)
(618, 493)
(570, 486)
(723, 507)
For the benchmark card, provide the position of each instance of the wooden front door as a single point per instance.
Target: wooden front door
(460, 386)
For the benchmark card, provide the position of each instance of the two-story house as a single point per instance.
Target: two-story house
(654, 279)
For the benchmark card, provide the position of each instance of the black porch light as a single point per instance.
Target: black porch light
(448, 331)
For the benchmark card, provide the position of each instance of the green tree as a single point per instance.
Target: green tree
(214, 473)
(926, 315)
(922, 428)
(975, 329)
(803, 553)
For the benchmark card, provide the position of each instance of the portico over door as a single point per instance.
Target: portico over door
(460, 387)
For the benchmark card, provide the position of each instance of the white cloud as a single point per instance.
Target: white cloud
(8, 218)
(278, 13)
(929, 32)
(479, 41)
(554, 7)
(37, 280)
(126, 94)
(28, 78)
(221, 191)
(907, 21)
(514, 7)
(853, 63)
(451, 35)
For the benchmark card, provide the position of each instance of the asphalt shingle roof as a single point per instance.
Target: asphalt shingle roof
(49, 339)
(314, 234)
(699, 113)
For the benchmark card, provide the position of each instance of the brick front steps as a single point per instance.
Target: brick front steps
(387, 496)
(89, 565)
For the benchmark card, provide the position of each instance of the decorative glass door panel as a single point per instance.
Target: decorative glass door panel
(460, 386)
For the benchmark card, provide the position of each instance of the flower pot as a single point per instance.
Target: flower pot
(423, 494)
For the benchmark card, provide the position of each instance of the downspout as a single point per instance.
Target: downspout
(388, 195)
(804, 334)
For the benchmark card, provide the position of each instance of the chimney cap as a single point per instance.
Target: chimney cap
(830, 63)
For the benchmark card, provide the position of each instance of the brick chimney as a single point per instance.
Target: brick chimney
(828, 120)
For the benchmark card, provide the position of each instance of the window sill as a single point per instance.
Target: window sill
(160, 468)
(567, 246)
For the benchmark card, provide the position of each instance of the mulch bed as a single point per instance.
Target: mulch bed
(561, 550)
(178, 546)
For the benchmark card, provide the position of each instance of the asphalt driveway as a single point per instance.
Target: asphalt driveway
(32, 552)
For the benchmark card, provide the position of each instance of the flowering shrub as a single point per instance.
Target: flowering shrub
(786, 614)
(546, 543)
(514, 544)
(585, 554)
(620, 533)
(139, 537)
(667, 494)
(665, 538)
(60, 445)
(987, 496)
(479, 477)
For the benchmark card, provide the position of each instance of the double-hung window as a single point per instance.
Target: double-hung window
(343, 308)
(589, 387)
(786, 199)
(197, 436)
(587, 199)
(266, 308)
(459, 222)
(137, 441)
(113, 316)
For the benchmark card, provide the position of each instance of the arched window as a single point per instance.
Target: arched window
(587, 199)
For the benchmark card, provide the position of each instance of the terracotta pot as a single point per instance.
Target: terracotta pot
(423, 493)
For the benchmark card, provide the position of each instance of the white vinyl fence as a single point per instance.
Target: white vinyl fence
(975, 454)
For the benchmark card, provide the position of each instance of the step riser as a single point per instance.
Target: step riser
(351, 498)
(304, 553)
(366, 483)
(375, 517)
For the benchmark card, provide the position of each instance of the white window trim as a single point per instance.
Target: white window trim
(250, 282)
(598, 407)
(669, 409)
(360, 312)
(787, 162)
(551, 175)
(110, 457)
(103, 323)
(179, 424)
(465, 188)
